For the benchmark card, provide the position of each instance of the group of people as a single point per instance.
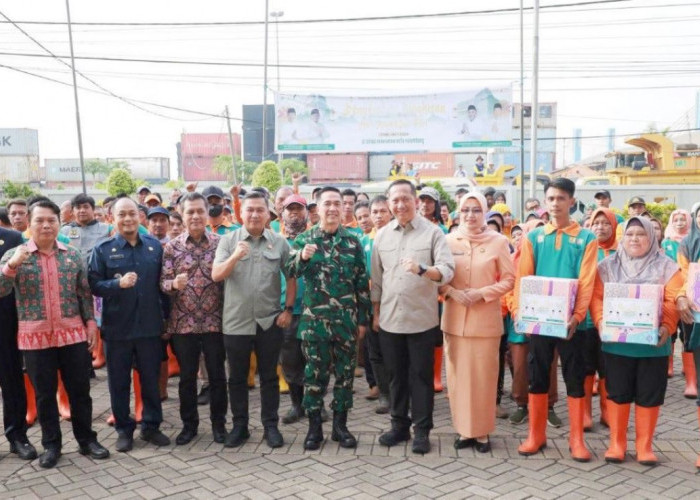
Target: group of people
(295, 289)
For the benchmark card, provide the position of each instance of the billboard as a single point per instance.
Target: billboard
(449, 122)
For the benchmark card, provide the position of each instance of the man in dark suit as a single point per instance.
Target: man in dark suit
(14, 397)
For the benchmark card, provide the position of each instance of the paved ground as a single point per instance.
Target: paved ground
(207, 470)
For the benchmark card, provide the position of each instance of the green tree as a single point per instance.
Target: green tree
(244, 169)
(175, 184)
(97, 167)
(13, 190)
(268, 175)
(451, 203)
(120, 181)
(291, 166)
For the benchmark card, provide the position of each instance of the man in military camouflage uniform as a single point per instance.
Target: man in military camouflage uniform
(336, 301)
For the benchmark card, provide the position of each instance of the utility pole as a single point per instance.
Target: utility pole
(522, 117)
(264, 117)
(230, 145)
(75, 95)
(535, 100)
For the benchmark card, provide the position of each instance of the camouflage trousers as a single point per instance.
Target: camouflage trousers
(328, 347)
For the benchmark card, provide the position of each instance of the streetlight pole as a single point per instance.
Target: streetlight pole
(277, 14)
(535, 101)
(522, 115)
(75, 95)
(264, 116)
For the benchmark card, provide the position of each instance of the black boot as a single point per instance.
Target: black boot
(296, 412)
(340, 431)
(314, 437)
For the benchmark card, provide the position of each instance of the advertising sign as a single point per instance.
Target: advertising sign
(450, 122)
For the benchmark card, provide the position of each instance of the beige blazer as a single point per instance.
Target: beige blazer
(487, 267)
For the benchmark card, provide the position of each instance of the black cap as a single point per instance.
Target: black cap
(157, 210)
(489, 191)
(602, 192)
(636, 200)
(213, 191)
(143, 188)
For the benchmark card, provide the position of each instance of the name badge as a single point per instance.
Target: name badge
(116, 256)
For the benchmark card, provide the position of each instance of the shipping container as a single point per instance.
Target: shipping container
(337, 167)
(24, 168)
(68, 170)
(200, 169)
(19, 142)
(428, 164)
(209, 145)
(151, 169)
(379, 166)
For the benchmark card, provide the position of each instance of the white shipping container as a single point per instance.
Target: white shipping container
(68, 170)
(146, 168)
(19, 168)
(19, 142)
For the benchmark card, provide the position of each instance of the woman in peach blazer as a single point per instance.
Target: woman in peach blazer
(472, 322)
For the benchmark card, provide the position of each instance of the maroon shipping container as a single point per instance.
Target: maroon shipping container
(200, 169)
(209, 145)
(337, 167)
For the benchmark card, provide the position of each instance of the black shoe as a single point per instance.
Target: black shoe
(383, 405)
(155, 436)
(237, 437)
(185, 436)
(125, 442)
(49, 458)
(94, 450)
(421, 443)
(394, 437)
(483, 447)
(294, 414)
(273, 437)
(219, 432)
(314, 437)
(340, 431)
(461, 444)
(23, 449)
(203, 397)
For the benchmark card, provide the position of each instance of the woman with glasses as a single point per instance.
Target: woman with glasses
(636, 373)
(472, 322)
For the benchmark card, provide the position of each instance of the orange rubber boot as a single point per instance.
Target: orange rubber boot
(138, 402)
(284, 386)
(670, 361)
(437, 370)
(252, 370)
(619, 419)
(577, 407)
(98, 355)
(645, 423)
(603, 402)
(588, 403)
(697, 464)
(538, 406)
(691, 383)
(31, 401)
(62, 398)
(173, 366)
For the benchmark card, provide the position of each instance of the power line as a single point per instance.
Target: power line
(331, 20)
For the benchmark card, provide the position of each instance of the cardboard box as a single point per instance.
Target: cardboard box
(546, 305)
(632, 313)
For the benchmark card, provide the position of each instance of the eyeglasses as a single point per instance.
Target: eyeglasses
(475, 211)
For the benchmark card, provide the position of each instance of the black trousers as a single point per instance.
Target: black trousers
(267, 345)
(696, 359)
(539, 362)
(291, 356)
(14, 397)
(593, 358)
(376, 360)
(147, 354)
(369, 369)
(74, 362)
(641, 381)
(409, 362)
(188, 348)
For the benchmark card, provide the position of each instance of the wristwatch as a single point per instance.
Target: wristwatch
(422, 269)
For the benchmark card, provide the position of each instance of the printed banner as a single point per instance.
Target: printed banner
(455, 121)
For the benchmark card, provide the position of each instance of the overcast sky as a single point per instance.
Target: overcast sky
(619, 65)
